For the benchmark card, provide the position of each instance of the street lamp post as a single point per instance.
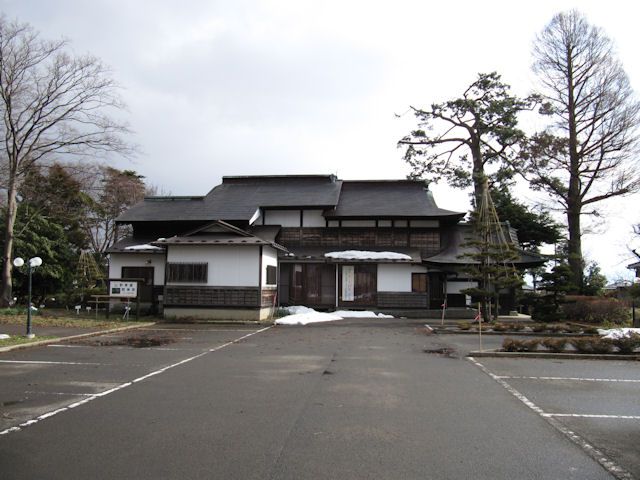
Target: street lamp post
(31, 264)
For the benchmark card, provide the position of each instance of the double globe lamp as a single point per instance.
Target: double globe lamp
(31, 264)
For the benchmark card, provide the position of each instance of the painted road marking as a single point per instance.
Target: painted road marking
(68, 346)
(576, 379)
(609, 465)
(125, 385)
(588, 415)
(45, 362)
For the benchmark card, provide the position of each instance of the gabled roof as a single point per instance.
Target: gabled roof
(388, 199)
(240, 198)
(457, 253)
(219, 233)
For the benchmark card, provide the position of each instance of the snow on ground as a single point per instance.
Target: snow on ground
(365, 255)
(618, 332)
(304, 315)
(4, 336)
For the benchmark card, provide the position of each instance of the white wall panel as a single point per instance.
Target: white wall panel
(229, 266)
(313, 218)
(119, 260)
(396, 278)
(285, 218)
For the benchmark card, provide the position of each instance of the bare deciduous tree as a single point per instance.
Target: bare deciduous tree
(52, 103)
(589, 153)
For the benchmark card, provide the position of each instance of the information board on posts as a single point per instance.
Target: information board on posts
(123, 288)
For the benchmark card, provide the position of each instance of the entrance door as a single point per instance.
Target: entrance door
(142, 273)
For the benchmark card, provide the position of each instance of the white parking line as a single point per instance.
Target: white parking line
(575, 379)
(609, 465)
(125, 385)
(584, 415)
(45, 362)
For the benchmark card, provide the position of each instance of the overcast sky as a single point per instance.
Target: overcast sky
(247, 87)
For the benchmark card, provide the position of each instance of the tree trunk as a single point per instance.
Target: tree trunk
(574, 202)
(7, 266)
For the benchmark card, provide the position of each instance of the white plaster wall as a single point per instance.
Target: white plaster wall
(269, 257)
(396, 278)
(313, 218)
(229, 266)
(358, 223)
(456, 287)
(285, 218)
(119, 260)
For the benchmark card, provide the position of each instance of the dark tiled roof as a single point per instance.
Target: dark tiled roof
(164, 209)
(386, 199)
(238, 198)
(457, 252)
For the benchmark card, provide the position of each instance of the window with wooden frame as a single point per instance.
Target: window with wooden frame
(271, 275)
(187, 272)
(419, 282)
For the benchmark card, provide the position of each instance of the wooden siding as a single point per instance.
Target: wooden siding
(202, 296)
(268, 297)
(402, 300)
(425, 239)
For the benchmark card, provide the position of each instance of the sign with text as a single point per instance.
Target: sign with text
(348, 278)
(123, 288)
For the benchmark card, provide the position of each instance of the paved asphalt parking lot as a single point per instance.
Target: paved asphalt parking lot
(351, 399)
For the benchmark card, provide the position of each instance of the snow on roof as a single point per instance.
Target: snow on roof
(145, 246)
(365, 255)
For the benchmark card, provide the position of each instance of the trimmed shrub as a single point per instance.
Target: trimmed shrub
(500, 327)
(591, 344)
(464, 325)
(590, 330)
(555, 344)
(515, 345)
(628, 343)
(517, 327)
(596, 310)
(538, 327)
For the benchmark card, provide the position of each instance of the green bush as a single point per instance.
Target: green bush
(464, 325)
(596, 310)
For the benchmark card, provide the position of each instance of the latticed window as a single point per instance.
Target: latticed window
(419, 282)
(187, 272)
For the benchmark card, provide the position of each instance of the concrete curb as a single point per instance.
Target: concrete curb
(514, 334)
(559, 356)
(73, 337)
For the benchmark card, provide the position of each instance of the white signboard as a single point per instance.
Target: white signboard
(347, 283)
(124, 288)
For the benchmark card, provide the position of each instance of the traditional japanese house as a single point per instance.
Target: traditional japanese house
(257, 242)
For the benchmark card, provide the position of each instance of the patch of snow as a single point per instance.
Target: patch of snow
(366, 255)
(360, 314)
(4, 336)
(618, 332)
(145, 246)
(304, 315)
